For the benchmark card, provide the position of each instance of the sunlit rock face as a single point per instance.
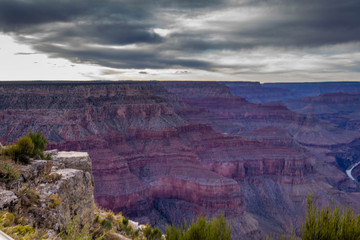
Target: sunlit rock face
(165, 151)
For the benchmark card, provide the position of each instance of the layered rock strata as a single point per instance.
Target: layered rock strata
(162, 152)
(139, 145)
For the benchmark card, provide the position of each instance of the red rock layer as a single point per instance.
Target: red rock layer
(151, 147)
(136, 141)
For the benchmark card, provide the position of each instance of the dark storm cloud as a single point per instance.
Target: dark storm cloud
(114, 33)
(89, 18)
(74, 23)
(121, 58)
(78, 24)
(310, 23)
(19, 13)
(283, 24)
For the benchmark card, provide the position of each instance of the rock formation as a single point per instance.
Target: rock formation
(49, 196)
(162, 151)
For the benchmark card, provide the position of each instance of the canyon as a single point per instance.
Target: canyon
(163, 152)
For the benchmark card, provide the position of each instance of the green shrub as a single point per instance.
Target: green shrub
(136, 234)
(330, 223)
(22, 230)
(97, 219)
(106, 224)
(152, 233)
(202, 229)
(110, 216)
(6, 219)
(18, 229)
(10, 151)
(40, 143)
(128, 230)
(8, 171)
(74, 231)
(125, 221)
(24, 149)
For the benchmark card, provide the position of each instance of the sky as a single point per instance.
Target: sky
(240, 40)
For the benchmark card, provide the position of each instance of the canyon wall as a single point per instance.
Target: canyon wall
(167, 151)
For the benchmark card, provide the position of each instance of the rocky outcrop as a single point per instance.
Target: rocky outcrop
(31, 175)
(70, 196)
(49, 197)
(73, 160)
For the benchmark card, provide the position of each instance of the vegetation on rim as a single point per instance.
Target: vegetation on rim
(26, 147)
(9, 171)
(330, 223)
(202, 229)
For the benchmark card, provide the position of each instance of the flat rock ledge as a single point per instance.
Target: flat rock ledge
(73, 160)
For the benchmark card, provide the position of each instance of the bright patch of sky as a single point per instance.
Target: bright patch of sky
(20, 62)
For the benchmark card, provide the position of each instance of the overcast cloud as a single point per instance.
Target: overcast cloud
(246, 40)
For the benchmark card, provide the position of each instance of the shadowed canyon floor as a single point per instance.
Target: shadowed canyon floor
(167, 151)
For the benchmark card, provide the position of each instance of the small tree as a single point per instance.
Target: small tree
(152, 233)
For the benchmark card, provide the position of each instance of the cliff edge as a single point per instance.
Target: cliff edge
(49, 194)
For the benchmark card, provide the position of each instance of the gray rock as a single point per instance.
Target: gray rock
(8, 200)
(60, 195)
(51, 152)
(75, 189)
(74, 160)
(35, 171)
(134, 225)
(31, 175)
